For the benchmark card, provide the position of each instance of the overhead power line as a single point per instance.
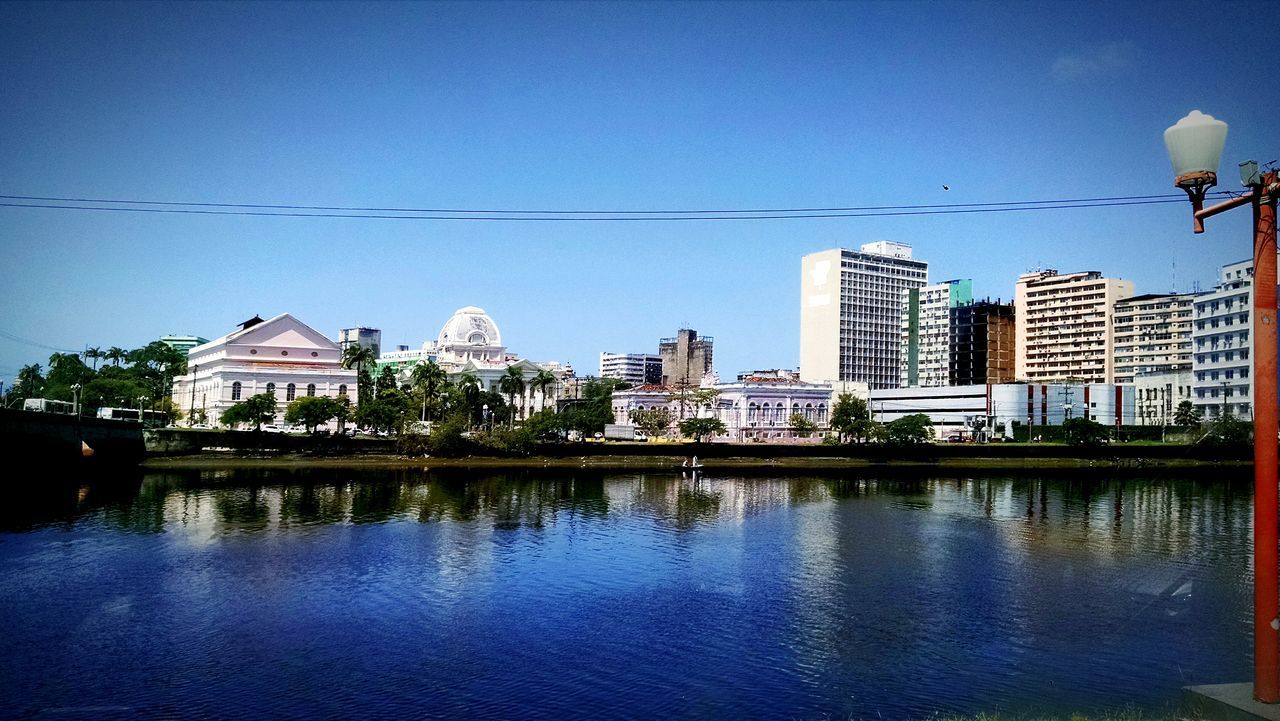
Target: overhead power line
(25, 341)
(350, 208)
(255, 210)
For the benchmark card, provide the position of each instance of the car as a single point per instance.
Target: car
(956, 438)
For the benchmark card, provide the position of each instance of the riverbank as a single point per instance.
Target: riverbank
(710, 465)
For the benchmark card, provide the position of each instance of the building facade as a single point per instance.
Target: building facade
(183, 343)
(1064, 329)
(369, 338)
(957, 409)
(1152, 334)
(634, 368)
(755, 409)
(1158, 394)
(851, 312)
(282, 356)
(1222, 358)
(470, 343)
(685, 358)
(982, 346)
(926, 331)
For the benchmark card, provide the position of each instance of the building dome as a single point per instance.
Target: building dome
(469, 326)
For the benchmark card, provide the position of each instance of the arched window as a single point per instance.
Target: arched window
(290, 392)
(808, 411)
(235, 391)
(753, 413)
(311, 389)
(271, 388)
(342, 389)
(822, 412)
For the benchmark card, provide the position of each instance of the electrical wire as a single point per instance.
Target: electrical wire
(25, 341)
(345, 208)
(937, 210)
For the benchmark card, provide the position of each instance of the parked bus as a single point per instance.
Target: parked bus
(44, 405)
(130, 414)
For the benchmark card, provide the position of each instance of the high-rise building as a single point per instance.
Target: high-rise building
(851, 312)
(926, 331)
(1152, 334)
(685, 358)
(1064, 328)
(982, 344)
(635, 368)
(370, 338)
(1222, 358)
(183, 343)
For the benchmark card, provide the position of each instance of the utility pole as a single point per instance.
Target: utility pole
(1068, 404)
(1224, 398)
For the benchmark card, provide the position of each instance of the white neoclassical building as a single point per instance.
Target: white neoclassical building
(470, 343)
(751, 408)
(282, 355)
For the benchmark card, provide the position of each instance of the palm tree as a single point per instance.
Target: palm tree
(115, 354)
(512, 384)
(29, 381)
(430, 379)
(469, 391)
(359, 356)
(540, 382)
(95, 354)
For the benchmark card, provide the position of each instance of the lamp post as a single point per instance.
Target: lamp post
(191, 411)
(141, 420)
(75, 398)
(1195, 147)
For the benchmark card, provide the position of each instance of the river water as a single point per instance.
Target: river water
(563, 595)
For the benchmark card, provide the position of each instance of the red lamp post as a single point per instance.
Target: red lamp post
(1195, 146)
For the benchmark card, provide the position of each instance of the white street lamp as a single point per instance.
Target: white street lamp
(1195, 149)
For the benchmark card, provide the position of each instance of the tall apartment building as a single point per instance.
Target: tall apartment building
(685, 358)
(982, 345)
(634, 368)
(851, 312)
(1152, 334)
(1064, 329)
(364, 337)
(1222, 362)
(926, 332)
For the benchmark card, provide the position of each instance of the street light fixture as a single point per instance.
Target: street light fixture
(1195, 147)
(141, 418)
(75, 398)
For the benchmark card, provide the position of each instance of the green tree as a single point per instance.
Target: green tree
(696, 428)
(851, 418)
(800, 424)
(692, 396)
(29, 381)
(1186, 415)
(358, 357)
(93, 354)
(256, 410)
(1084, 432)
(386, 381)
(908, 430)
(1228, 430)
(545, 425)
(311, 411)
(541, 381)
(653, 421)
(512, 383)
(429, 380)
(594, 409)
(115, 354)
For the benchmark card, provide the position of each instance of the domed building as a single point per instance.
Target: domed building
(470, 342)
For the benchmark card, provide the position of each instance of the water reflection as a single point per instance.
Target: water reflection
(582, 594)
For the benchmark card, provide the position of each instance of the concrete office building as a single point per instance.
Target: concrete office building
(1158, 393)
(370, 338)
(982, 346)
(634, 368)
(926, 331)
(1064, 329)
(685, 358)
(851, 312)
(183, 343)
(1222, 358)
(1152, 334)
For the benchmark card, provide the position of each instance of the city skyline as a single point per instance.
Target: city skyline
(628, 107)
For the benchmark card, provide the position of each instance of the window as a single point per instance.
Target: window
(342, 389)
(235, 391)
(311, 389)
(290, 392)
(271, 388)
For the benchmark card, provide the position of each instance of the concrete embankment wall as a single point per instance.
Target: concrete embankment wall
(53, 438)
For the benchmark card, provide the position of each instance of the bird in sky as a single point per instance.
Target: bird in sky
(946, 187)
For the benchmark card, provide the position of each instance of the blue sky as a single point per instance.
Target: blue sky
(628, 106)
